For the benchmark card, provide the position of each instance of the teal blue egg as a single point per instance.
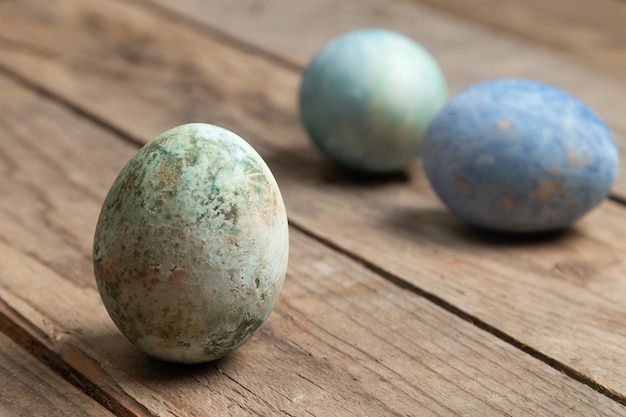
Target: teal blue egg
(367, 98)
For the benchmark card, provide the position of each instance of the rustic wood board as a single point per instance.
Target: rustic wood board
(590, 31)
(342, 340)
(468, 53)
(558, 297)
(29, 389)
(593, 31)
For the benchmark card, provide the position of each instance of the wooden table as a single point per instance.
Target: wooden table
(391, 305)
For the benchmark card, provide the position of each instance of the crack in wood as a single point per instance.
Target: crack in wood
(39, 345)
(435, 299)
(220, 35)
(371, 359)
(70, 105)
(20, 45)
(249, 391)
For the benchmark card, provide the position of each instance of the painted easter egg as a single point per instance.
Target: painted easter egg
(190, 249)
(520, 156)
(367, 98)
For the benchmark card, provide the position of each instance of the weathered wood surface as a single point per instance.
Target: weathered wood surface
(468, 53)
(593, 31)
(459, 322)
(29, 389)
(560, 296)
(342, 340)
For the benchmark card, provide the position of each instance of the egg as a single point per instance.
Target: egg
(367, 97)
(519, 155)
(191, 245)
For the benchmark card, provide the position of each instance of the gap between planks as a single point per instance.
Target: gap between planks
(589, 30)
(32, 339)
(32, 388)
(112, 404)
(221, 35)
(451, 308)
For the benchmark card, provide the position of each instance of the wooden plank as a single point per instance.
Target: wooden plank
(559, 296)
(468, 53)
(342, 340)
(593, 31)
(27, 388)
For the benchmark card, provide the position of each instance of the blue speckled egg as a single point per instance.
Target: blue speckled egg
(518, 155)
(367, 98)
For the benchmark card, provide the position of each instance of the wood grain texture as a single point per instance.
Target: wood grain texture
(467, 52)
(593, 31)
(29, 389)
(560, 295)
(342, 341)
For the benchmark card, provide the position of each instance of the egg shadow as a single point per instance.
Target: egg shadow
(489, 237)
(307, 165)
(113, 347)
(442, 227)
(163, 372)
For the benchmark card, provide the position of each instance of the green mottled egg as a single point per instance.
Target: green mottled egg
(190, 250)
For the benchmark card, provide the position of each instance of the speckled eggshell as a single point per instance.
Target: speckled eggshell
(367, 97)
(190, 250)
(519, 156)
